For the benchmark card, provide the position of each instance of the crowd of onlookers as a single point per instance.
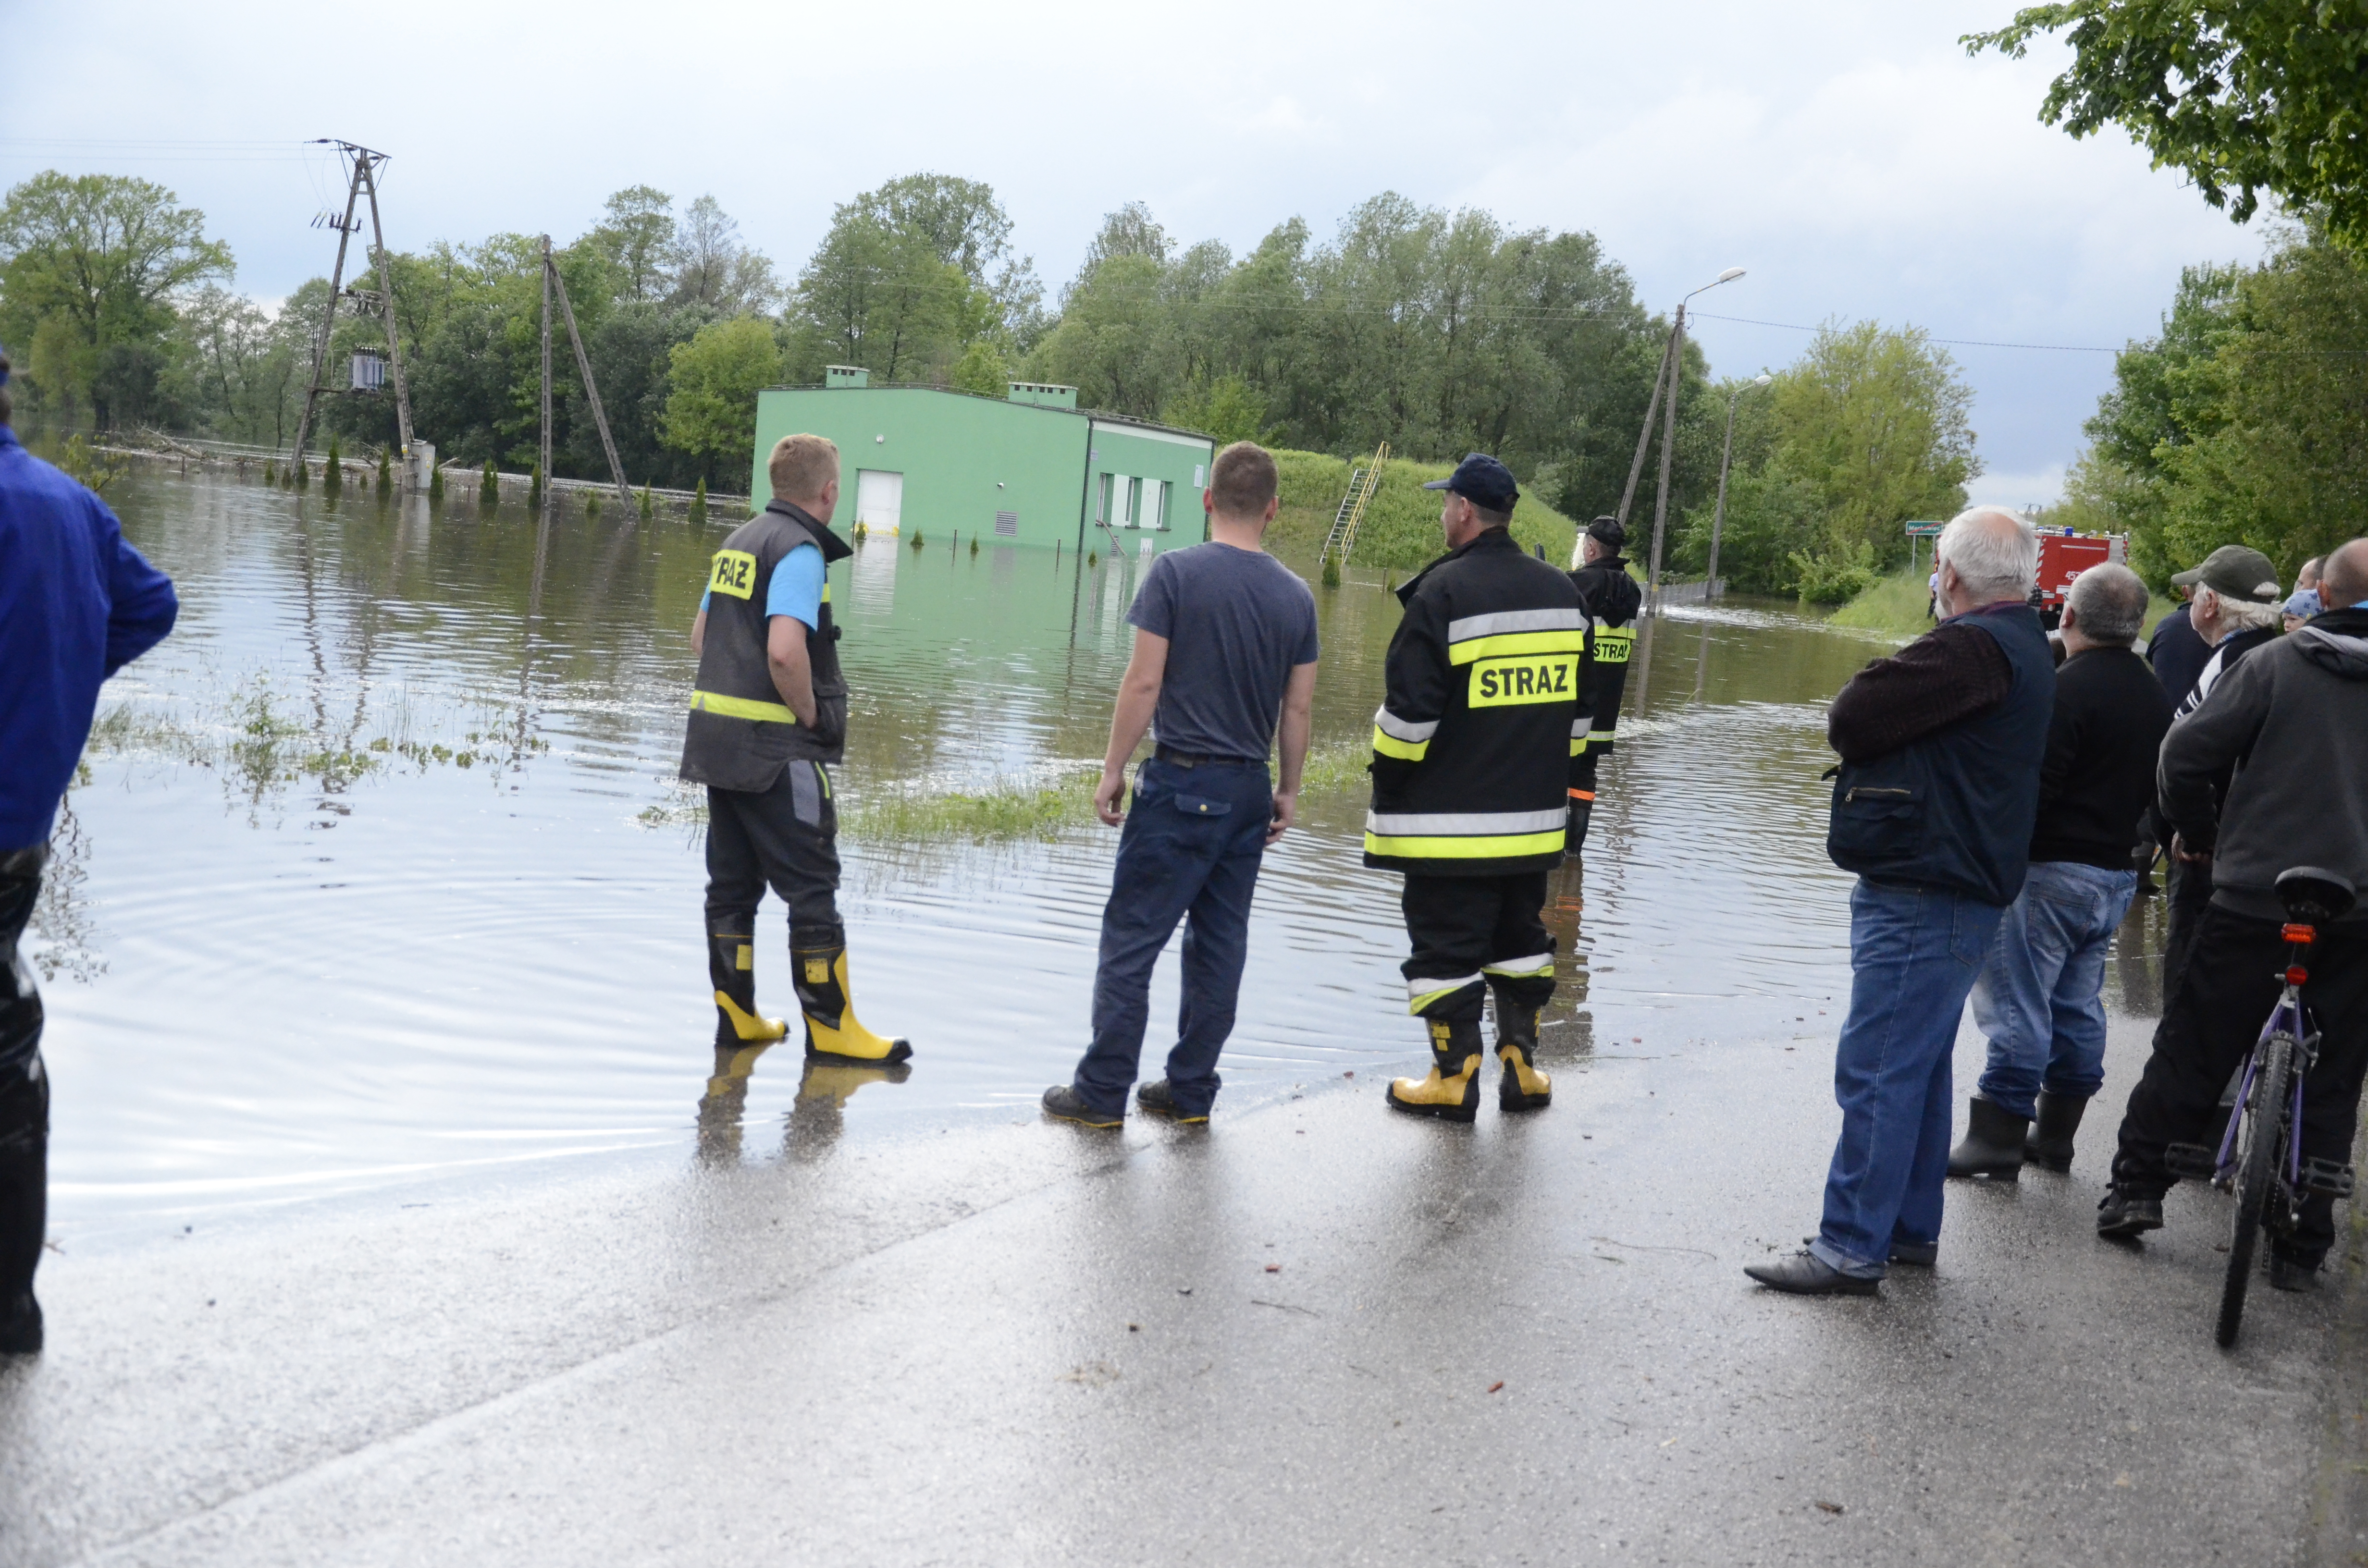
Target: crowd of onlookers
(2004, 796)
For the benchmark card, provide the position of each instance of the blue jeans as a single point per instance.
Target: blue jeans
(2038, 996)
(1914, 953)
(1189, 851)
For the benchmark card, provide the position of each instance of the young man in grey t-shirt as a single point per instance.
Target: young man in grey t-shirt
(1224, 649)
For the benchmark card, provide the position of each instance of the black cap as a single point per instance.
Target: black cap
(1483, 480)
(1608, 530)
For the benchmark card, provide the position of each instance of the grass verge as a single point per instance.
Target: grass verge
(1400, 531)
(1895, 607)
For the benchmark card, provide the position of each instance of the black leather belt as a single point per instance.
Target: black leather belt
(1194, 759)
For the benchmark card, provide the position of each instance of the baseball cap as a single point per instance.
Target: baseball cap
(1483, 480)
(1608, 530)
(2236, 572)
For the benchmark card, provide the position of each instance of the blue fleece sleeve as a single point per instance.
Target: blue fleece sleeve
(141, 605)
(796, 588)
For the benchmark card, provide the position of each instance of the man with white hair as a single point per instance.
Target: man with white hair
(2037, 997)
(1932, 808)
(2237, 610)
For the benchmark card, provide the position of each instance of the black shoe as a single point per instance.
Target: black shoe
(1912, 1255)
(1065, 1103)
(2050, 1143)
(2287, 1274)
(21, 1327)
(1806, 1273)
(2123, 1215)
(1156, 1099)
(1993, 1145)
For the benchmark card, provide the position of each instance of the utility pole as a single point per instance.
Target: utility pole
(551, 280)
(1718, 518)
(363, 180)
(1674, 368)
(1669, 452)
(1645, 434)
(543, 451)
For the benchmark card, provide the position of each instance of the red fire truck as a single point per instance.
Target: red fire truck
(2063, 555)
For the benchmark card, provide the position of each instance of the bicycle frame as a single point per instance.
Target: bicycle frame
(2291, 1019)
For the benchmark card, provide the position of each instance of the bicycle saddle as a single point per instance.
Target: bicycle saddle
(2314, 897)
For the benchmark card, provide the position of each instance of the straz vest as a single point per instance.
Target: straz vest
(1611, 597)
(741, 734)
(1955, 809)
(1472, 743)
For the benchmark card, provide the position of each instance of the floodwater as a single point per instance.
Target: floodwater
(379, 874)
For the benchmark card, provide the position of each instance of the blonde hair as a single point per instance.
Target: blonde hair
(802, 466)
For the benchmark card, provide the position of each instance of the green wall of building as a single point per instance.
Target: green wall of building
(964, 459)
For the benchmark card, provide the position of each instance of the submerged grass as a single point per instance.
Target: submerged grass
(1007, 811)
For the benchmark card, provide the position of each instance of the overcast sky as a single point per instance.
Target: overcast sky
(1850, 154)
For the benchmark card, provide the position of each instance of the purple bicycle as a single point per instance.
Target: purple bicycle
(2259, 1158)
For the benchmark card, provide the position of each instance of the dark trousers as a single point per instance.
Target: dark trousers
(2187, 891)
(23, 1088)
(1190, 852)
(785, 838)
(2223, 995)
(1471, 932)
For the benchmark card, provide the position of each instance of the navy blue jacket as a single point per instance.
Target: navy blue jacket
(76, 605)
(1954, 808)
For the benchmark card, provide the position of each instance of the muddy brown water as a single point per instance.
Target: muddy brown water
(379, 874)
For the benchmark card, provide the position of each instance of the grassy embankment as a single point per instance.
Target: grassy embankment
(1895, 606)
(1400, 532)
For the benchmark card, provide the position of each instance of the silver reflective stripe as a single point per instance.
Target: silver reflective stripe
(1426, 986)
(1507, 620)
(1541, 962)
(1578, 726)
(1398, 729)
(1436, 825)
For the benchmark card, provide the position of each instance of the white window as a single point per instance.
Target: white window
(1134, 505)
(879, 500)
(1199, 476)
(1155, 504)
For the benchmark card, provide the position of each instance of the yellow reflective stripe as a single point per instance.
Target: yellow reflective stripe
(1415, 1005)
(1511, 642)
(1390, 745)
(741, 708)
(825, 591)
(1578, 746)
(1481, 847)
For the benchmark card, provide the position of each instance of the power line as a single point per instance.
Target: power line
(1952, 341)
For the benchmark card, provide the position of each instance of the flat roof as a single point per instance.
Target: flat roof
(1102, 415)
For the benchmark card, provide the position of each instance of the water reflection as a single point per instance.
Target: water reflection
(815, 1118)
(380, 868)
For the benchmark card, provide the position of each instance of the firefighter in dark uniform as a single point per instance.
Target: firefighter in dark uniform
(1471, 770)
(1610, 597)
(767, 718)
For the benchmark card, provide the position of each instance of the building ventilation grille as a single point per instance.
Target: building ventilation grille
(1007, 525)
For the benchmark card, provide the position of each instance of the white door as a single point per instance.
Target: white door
(879, 500)
(1155, 504)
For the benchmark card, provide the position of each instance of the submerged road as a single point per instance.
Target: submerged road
(1313, 1332)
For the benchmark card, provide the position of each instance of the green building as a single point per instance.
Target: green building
(1031, 468)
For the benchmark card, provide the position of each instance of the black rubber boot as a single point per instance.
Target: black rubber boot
(1993, 1145)
(2050, 1144)
(1452, 1092)
(731, 971)
(818, 962)
(1573, 842)
(23, 1203)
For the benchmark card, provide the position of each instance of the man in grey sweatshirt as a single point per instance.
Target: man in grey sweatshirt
(2294, 720)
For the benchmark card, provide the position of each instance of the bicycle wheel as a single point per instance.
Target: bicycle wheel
(2255, 1176)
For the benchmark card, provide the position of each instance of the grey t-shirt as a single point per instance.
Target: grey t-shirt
(1237, 622)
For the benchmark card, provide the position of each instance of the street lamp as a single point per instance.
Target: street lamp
(1718, 518)
(1670, 368)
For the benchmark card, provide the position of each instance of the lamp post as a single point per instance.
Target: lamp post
(1718, 518)
(1675, 370)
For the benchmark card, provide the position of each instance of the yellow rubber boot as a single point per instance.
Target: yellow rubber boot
(832, 1032)
(1451, 1091)
(732, 967)
(1523, 1087)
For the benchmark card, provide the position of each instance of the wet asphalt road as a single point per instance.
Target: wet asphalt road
(1273, 1341)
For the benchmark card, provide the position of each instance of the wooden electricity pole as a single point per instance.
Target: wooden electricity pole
(553, 283)
(364, 180)
(1668, 451)
(1645, 436)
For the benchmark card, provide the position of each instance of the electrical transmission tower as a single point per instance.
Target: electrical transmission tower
(364, 181)
(555, 284)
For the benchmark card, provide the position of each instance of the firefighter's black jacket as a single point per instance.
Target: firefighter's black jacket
(1472, 747)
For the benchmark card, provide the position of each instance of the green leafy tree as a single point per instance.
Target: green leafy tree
(711, 410)
(638, 239)
(982, 370)
(2245, 98)
(89, 268)
(1226, 409)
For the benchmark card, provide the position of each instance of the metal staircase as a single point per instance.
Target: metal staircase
(1363, 483)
